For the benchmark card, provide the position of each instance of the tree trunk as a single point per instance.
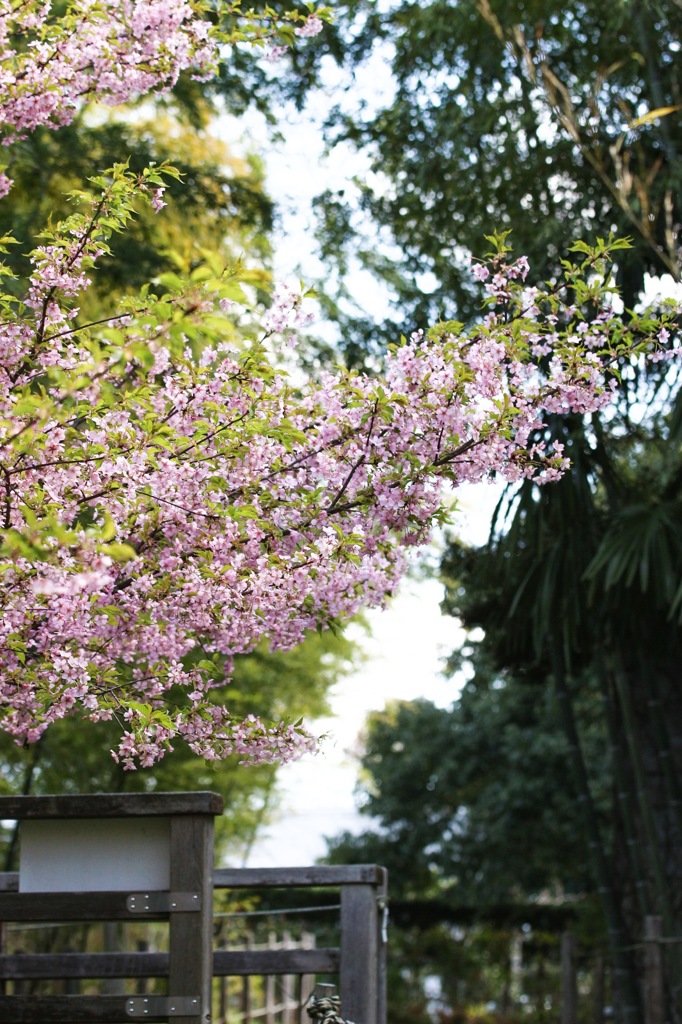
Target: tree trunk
(624, 971)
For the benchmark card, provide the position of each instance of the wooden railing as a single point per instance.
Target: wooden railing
(155, 851)
(66, 841)
(358, 961)
(269, 999)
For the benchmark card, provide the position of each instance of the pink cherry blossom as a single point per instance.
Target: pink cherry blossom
(110, 51)
(311, 27)
(169, 500)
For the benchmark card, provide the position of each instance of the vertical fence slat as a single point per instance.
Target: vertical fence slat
(245, 1014)
(270, 999)
(3, 949)
(359, 948)
(270, 987)
(287, 986)
(308, 941)
(222, 1000)
(191, 933)
(112, 944)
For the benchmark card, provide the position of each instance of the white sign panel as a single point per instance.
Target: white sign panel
(94, 855)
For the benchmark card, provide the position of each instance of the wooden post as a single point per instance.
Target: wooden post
(382, 954)
(653, 971)
(270, 993)
(359, 950)
(191, 932)
(172, 858)
(569, 986)
(307, 981)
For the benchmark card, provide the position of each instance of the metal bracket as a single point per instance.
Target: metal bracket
(382, 904)
(163, 1006)
(162, 902)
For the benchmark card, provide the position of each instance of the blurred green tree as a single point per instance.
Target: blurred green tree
(220, 204)
(558, 120)
(471, 814)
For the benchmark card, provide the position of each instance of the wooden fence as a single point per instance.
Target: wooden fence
(186, 905)
(272, 999)
(359, 961)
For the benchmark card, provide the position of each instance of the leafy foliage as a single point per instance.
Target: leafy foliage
(216, 203)
(170, 499)
(559, 120)
(495, 823)
(470, 811)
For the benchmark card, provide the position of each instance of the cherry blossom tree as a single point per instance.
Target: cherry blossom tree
(169, 498)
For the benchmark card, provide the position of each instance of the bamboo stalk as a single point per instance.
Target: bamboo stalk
(652, 839)
(664, 892)
(625, 793)
(664, 751)
(654, 1012)
(624, 972)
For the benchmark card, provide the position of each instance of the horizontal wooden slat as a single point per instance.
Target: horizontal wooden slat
(253, 878)
(319, 875)
(84, 965)
(155, 965)
(228, 962)
(70, 906)
(110, 805)
(66, 1010)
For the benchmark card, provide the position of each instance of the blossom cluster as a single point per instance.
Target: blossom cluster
(168, 500)
(109, 51)
(163, 513)
(112, 51)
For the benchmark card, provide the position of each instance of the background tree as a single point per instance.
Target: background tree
(219, 207)
(152, 392)
(491, 855)
(218, 204)
(496, 821)
(582, 584)
(534, 116)
(556, 120)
